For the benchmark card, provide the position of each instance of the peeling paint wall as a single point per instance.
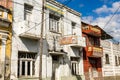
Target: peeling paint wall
(51, 46)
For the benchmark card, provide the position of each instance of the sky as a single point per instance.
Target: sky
(104, 13)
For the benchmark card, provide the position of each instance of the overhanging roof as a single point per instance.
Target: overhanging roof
(105, 35)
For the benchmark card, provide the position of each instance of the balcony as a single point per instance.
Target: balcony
(5, 17)
(91, 30)
(4, 22)
(94, 51)
(73, 40)
(31, 30)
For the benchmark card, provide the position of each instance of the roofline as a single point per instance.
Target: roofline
(4, 8)
(105, 35)
(61, 5)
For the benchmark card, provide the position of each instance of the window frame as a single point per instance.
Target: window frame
(74, 65)
(107, 60)
(27, 11)
(54, 23)
(28, 61)
(73, 24)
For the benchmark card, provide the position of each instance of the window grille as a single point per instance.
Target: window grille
(26, 64)
(74, 66)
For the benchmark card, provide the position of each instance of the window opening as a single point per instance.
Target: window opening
(26, 64)
(27, 11)
(54, 23)
(74, 66)
(107, 59)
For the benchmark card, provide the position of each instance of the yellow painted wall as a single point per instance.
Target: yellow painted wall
(0, 48)
(8, 45)
(9, 39)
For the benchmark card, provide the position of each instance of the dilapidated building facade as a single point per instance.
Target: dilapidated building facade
(25, 39)
(62, 57)
(93, 52)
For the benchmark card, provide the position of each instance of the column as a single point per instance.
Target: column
(3, 53)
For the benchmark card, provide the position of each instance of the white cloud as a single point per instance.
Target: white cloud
(106, 9)
(115, 6)
(113, 25)
(88, 19)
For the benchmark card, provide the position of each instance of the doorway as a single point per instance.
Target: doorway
(55, 65)
(93, 68)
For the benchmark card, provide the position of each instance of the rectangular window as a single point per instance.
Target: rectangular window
(107, 59)
(54, 23)
(26, 64)
(74, 66)
(73, 27)
(27, 11)
(116, 61)
(93, 41)
(119, 60)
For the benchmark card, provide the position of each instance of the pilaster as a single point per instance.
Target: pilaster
(3, 53)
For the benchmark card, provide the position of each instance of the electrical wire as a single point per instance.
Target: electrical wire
(111, 17)
(46, 18)
(40, 22)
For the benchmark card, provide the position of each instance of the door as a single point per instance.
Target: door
(55, 65)
(93, 69)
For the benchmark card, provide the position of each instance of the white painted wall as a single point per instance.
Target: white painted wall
(31, 45)
(112, 50)
(20, 27)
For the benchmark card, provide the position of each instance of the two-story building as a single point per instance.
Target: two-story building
(93, 52)
(5, 39)
(62, 57)
(25, 39)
